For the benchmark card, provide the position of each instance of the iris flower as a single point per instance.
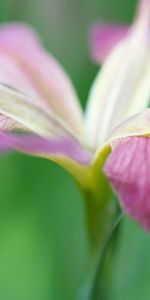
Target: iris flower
(40, 113)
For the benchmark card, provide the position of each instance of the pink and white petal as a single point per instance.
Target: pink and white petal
(137, 125)
(65, 151)
(48, 148)
(28, 128)
(40, 73)
(128, 169)
(104, 37)
(20, 111)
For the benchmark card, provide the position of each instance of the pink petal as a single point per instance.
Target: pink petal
(128, 169)
(26, 66)
(58, 148)
(104, 37)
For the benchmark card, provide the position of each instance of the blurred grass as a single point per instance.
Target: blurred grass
(44, 252)
(43, 247)
(130, 277)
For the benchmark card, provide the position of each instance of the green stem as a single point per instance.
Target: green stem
(95, 293)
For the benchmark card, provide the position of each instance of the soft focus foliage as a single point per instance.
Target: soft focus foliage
(42, 229)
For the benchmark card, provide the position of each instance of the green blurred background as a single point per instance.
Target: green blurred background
(43, 238)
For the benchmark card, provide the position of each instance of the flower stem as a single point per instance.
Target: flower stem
(96, 293)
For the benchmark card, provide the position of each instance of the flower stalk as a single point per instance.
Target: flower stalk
(97, 288)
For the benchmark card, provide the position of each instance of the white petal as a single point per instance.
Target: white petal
(122, 88)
